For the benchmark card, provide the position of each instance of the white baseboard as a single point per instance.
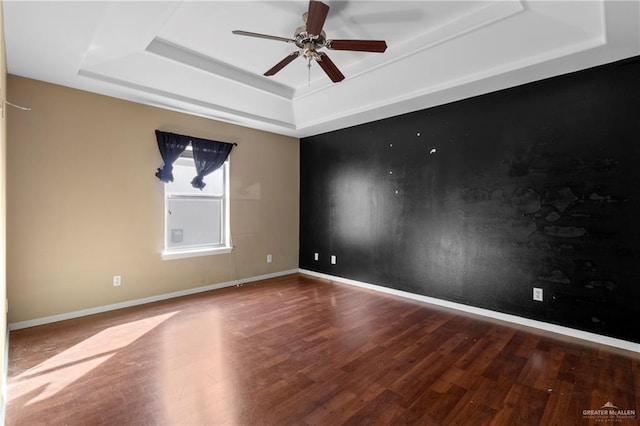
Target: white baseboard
(579, 334)
(99, 309)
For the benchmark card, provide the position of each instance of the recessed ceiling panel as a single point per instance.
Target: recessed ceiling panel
(394, 21)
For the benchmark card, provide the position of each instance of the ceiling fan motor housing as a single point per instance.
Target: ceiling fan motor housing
(309, 43)
(303, 39)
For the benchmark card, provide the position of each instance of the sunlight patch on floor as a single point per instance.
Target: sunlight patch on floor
(56, 373)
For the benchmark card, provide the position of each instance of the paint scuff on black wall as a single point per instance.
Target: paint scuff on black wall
(481, 200)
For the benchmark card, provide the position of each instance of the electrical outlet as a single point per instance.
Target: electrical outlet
(269, 258)
(333, 259)
(117, 280)
(537, 294)
(316, 256)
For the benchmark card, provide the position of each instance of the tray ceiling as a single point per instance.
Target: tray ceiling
(183, 56)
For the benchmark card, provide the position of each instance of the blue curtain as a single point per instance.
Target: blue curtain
(171, 146)
(208, 156)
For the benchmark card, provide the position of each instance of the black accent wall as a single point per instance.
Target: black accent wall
(480, 200)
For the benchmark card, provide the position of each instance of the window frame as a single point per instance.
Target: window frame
(202, 250)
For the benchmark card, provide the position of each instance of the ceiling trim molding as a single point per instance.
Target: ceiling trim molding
(467, 80)
(184, 56)
(179, 98)
(462, 25)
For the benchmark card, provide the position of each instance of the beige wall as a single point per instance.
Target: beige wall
(84, 204)
(3, 283)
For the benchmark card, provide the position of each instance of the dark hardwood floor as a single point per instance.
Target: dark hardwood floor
(297, 350)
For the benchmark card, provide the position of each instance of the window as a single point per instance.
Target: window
(196, 221)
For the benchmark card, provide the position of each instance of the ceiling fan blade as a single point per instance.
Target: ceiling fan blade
(257, 35)
(283, 63)
(316, 16)
(378, 46)
(330, 68)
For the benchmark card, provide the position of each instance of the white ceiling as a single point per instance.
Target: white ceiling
(182, 55)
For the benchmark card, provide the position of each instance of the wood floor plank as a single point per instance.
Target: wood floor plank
(297, 350)
(384, 409)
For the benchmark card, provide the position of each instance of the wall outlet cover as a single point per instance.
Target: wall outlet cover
(538, 294)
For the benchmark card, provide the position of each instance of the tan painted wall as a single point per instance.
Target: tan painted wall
(84, 204)
(3, 282)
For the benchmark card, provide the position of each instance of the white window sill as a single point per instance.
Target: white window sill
(182, 254)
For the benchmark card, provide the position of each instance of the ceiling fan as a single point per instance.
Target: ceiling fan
(310, 38)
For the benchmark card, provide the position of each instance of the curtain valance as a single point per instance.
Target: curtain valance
(208, 155)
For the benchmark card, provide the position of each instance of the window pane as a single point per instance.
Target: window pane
(193, 222)
(184, 170)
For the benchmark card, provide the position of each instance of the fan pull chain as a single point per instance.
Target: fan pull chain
(309, 73)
